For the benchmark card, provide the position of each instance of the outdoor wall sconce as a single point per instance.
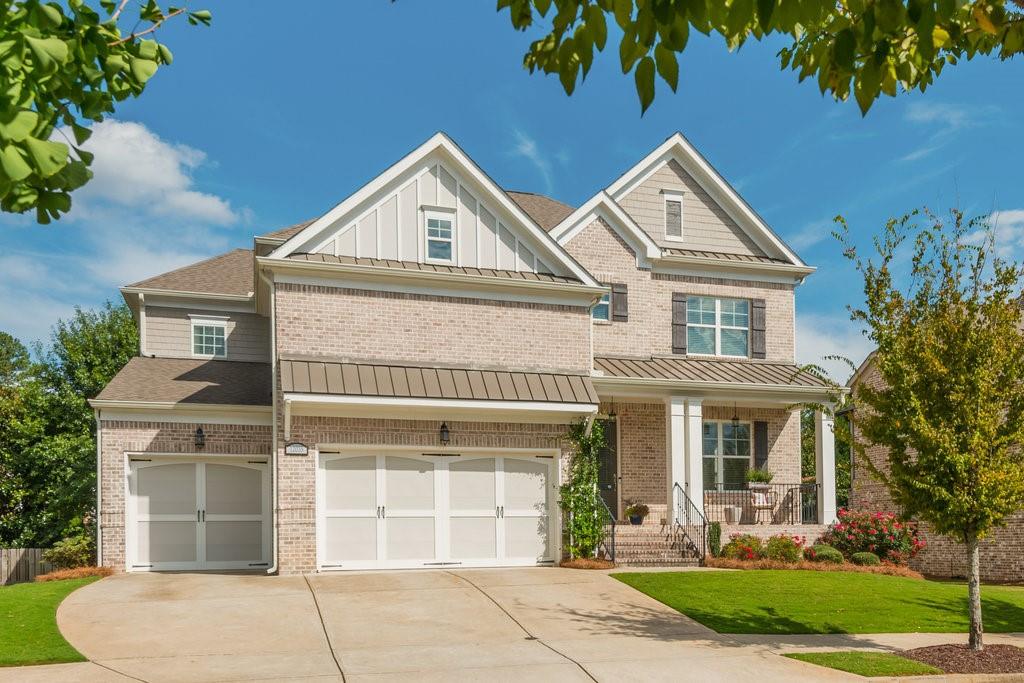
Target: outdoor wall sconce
(445, 434)
(200, 437)
(735, 417)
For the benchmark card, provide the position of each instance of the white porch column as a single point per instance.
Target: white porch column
(825, 466)
(675, 436)
(695, 452)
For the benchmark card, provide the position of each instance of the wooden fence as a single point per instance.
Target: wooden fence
(21, 564)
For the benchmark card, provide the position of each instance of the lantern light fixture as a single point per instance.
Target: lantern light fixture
(445, 434)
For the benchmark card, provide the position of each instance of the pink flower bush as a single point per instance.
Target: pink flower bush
(881, 533)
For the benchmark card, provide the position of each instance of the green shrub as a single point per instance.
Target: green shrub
(71, 552)
(759, 475)
(823, 553)
(715, 539)
(784, 548)
(865, 559)
(743, 547)
(881, 533)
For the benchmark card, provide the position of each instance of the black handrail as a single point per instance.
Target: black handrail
(611, 522)
(772, 503)
(690, 523)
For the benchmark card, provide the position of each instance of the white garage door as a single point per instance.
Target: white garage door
(192, 514)
(400, 511)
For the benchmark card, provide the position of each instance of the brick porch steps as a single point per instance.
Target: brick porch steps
(650, 545)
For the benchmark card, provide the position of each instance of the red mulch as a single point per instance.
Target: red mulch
(587, 563)
(886, 569)
(76, 573)
(959, 659)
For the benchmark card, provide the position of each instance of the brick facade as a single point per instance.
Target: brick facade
(649, 330)
(164, 438)
(397, 327)
(1002, 553)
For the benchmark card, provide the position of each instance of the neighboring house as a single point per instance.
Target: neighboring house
(1002, 553)
(389, 385)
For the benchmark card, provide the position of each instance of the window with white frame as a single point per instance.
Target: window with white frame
(726, 454)
(603, 310)
(673, 215)
(440, 236)
(717, 327)
(209, 338)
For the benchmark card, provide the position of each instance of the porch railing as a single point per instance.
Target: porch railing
(607, 545)
(763, 504)
(690, 524)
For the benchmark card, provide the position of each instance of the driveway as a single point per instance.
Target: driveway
(538, 624)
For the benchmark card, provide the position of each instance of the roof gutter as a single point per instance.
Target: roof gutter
(177, 405)
(185, 294)
(799, 272)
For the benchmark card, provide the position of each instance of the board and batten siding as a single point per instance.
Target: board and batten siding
(393, 227)
(706, 226)
(169, 333)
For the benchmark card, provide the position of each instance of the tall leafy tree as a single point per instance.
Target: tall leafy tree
(808, 460)
(950, 352)
(867, 48)
(66, 64)
(47, 432)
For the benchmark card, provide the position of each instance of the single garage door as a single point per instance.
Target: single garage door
(402, 511)
(189, 514)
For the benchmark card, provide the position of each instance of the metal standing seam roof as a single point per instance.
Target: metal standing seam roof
(399, 381)
(434, 268)
(705, 370)
(725, 256)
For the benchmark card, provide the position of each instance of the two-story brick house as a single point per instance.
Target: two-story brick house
(389, 385)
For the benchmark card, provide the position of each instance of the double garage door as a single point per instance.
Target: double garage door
(188, 514)
(401, 511)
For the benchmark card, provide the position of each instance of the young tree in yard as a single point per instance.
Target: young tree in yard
(47, 430)
(65, 64)
(808, 464)
(951, 354)
(868, 49)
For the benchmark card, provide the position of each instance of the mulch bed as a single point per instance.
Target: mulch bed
(804, 565)
(959, 659)
(586, 563)
(77, 573)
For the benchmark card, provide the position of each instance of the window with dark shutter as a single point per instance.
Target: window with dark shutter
(620, 303)
(757, 329)
(760, 444)
(678, 323)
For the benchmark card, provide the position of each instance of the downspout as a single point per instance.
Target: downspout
(273, 427)
(99, 492)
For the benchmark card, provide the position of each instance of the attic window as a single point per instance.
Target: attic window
(209, 338)
(673, 215)
(440, 236)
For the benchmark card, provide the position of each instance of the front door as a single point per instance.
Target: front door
(608, 467)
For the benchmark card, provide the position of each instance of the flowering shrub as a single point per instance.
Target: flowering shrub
(881, 533)
(743, 547)
(785, 548)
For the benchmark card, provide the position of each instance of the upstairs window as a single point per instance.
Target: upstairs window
(602, 312)
(209, 338)
(673, 215)
(440, 236)
(717, 327)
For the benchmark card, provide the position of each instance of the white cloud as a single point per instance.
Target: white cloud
(820, 335)
(1007, 230)
(526, 147)
(134, 168)
(811, 234)
(943, 121)
(949, 116)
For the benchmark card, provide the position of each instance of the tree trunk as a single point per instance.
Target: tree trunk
(974, 592)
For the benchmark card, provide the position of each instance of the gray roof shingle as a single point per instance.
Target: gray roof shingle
(190, 381)
(229, 273)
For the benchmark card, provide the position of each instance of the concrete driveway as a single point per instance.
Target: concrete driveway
(537, 624)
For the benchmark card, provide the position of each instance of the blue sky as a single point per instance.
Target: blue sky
(271, 117)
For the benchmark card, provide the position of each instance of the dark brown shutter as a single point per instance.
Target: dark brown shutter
(757, 327)
(760, 444)
(620, 303)
(678, 323)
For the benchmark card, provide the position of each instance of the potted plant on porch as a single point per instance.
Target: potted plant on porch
(636, 512)
(758, 478)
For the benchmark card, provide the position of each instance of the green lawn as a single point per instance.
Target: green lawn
(781, 602)
(28, 623)
(867, 663)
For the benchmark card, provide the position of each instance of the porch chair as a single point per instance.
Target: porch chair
(764, 500)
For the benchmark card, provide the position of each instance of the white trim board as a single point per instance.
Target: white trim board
(603, 206)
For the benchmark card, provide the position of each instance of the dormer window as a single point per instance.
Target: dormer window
(209, 337)
(440, 236)
(673, 215)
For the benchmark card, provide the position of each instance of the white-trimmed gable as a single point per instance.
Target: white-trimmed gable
(387, 219)
(604, 207)
(678, 166)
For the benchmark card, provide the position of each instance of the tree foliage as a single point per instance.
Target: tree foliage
(867, 48)
(951, 356)
(47, 432)
(581, 499)
(65, 65)
(808, 460)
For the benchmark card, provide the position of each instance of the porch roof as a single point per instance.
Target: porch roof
(339, 378)
(712, 371)
(182, 381)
